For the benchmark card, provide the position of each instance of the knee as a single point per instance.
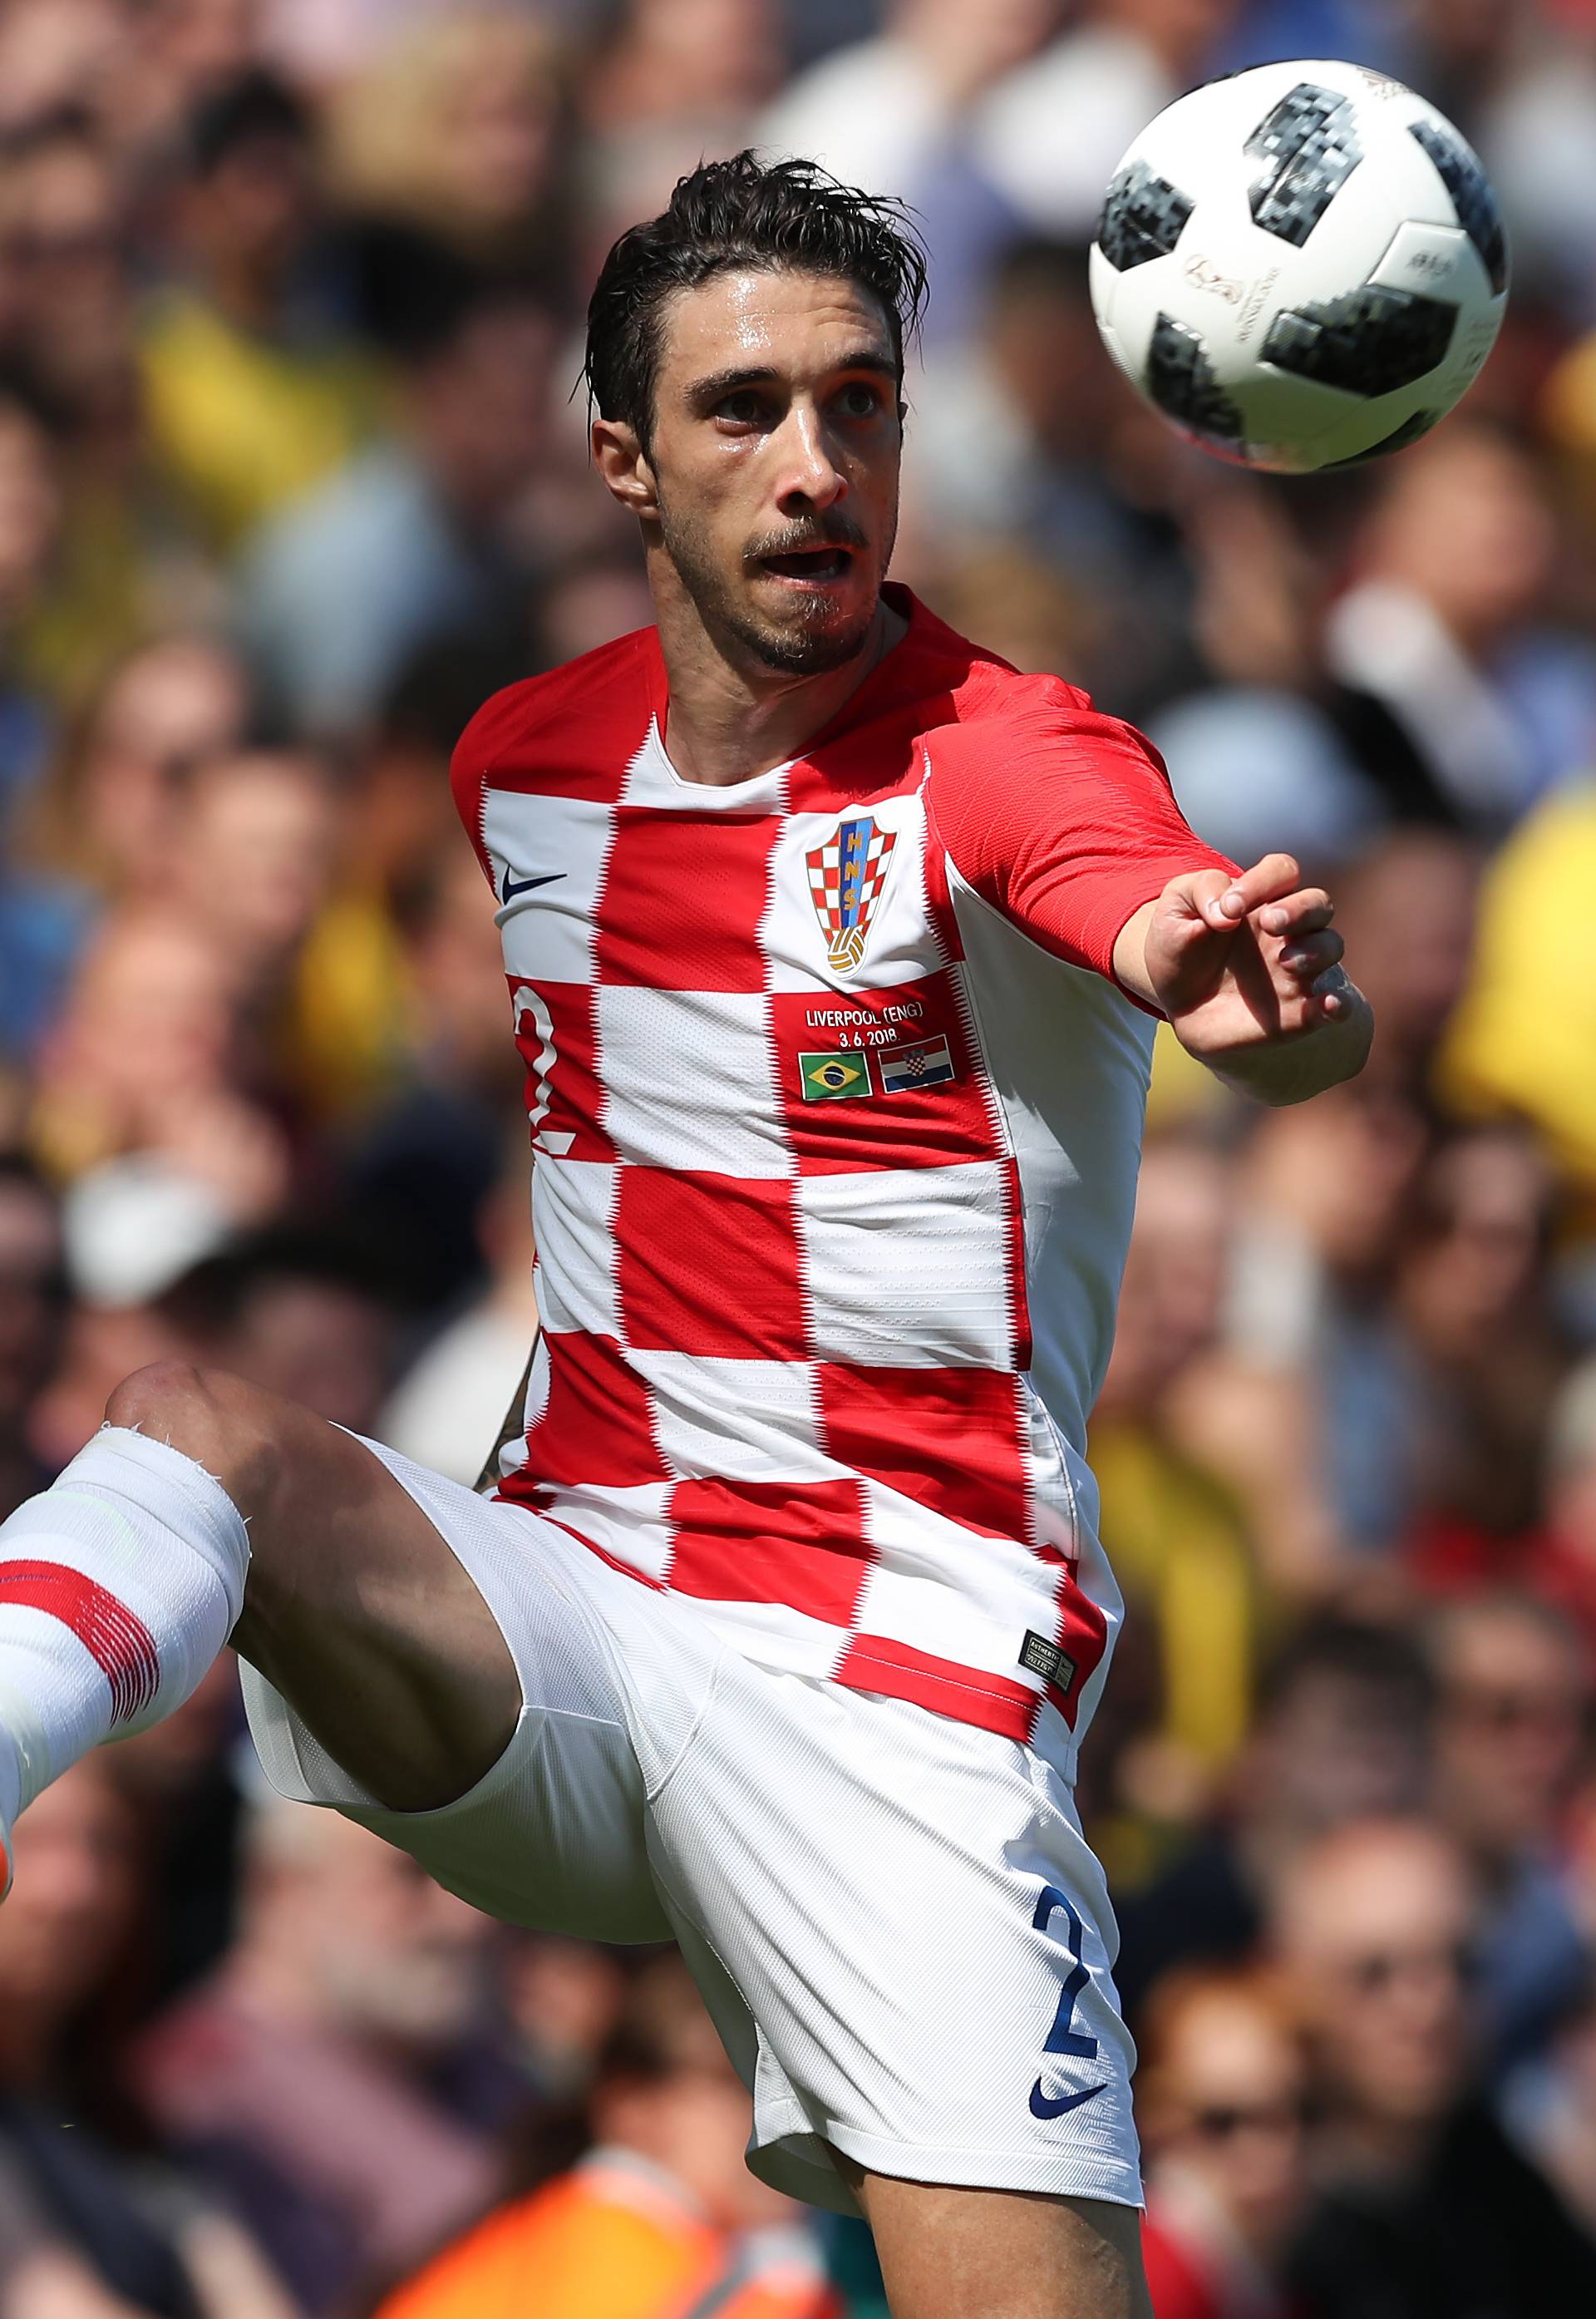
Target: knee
(170, 1400)
(203, 1413)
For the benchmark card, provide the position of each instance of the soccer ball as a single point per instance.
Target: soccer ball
(1300, 267)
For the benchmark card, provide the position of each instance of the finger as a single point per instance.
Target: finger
(1301, 913)
(1306, 956)
(1332, 994)
(1276, 875)
(1200, 893)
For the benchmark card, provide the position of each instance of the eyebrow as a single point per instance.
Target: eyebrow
(704, 392)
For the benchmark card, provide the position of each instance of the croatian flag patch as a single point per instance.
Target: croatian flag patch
(902, 1068)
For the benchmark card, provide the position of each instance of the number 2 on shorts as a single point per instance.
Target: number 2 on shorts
(1061, 2038)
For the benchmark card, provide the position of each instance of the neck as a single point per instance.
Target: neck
(734, 717)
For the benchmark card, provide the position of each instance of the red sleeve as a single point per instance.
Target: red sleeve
(1064, 820)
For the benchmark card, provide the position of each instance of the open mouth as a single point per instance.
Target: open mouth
(818, 565)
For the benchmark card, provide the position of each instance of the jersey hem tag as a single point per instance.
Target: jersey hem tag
(1039, 1656)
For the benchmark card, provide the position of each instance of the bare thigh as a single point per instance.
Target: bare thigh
(1001, 2254)
(356, 1608)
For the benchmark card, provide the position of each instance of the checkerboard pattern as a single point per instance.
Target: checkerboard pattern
(784, 1367)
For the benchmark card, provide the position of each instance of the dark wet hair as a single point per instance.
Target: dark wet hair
(776, 216)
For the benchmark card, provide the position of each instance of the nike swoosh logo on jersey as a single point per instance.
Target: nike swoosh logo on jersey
(514, 886)
(1045, 2106)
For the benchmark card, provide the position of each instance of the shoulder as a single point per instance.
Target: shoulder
(572, 730)
(591, 703)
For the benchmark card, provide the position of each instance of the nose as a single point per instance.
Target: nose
(810, 478)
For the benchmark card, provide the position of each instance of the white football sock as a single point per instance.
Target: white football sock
(118, 1587)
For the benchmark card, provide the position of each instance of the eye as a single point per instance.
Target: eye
(741, 409)
(859, 400)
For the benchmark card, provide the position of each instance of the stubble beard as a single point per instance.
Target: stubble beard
(809, 646)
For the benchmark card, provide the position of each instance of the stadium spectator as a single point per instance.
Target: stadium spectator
(106, 816)
(1527, 1019)
(85, 2227)
(32, 1301)
(1447, 625)
(309, 1312)
(298, 2076)
(1277, 739)
(1484, 1345)
(29, 528)
(1050, 138)
(661, 2219)
(674, 79)
(288, 485)
(1223, 2079)
(453, 125)
(255, 388)
(1327, 1204)
(1024, 438)
(59, 54)
(1560, 1564)
(126, 560)
(248, 862)
(1552, 2112)
(426, 1155)
(416, 538)
(1341, 1734)
(1513, 1692)
(880, 112)
(141, 1057)
(443, 1414)
(1410, 904)
(1424, 2204)
(1180, 1544)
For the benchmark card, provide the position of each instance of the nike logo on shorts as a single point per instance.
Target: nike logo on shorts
(1045, 2106)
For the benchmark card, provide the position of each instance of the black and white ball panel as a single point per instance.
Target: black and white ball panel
(1306, 146)
(1369, 342)
(1474, 197)
(1142, 218)
(1180, 380)
(1301, 265)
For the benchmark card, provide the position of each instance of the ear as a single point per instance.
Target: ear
(622, 463)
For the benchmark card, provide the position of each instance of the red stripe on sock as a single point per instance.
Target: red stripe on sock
(120, 1645)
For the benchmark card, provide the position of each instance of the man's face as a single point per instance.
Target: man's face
(775, 451)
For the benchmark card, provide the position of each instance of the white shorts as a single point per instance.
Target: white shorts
(902, 1934)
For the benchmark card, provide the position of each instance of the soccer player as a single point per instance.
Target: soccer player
(835, 949)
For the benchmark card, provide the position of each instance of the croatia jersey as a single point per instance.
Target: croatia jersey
(836, 1109)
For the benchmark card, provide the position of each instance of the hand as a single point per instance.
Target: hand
(1244, 967)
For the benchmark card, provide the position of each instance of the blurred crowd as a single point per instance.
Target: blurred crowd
(291, 476)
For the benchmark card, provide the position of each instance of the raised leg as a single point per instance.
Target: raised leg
(354, 1606)
(206, 1507)
(1002, 2254)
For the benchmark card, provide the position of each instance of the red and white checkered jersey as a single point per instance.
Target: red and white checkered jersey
(837, 1110)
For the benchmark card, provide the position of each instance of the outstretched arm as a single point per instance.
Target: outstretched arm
(1247, 970)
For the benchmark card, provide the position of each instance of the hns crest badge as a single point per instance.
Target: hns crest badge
(846, 875)
(833, 1078)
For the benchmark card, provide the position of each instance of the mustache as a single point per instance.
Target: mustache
(829, 531)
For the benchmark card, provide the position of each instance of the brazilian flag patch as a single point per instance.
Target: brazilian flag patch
(833, 1078)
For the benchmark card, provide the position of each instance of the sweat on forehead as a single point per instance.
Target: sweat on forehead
(747, 322)
(745, 325)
